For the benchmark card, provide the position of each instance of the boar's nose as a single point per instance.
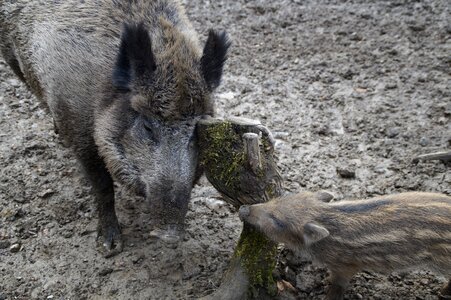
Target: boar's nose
(244, 212)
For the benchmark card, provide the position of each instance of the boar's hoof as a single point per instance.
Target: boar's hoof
(111, 238)
(170, 234)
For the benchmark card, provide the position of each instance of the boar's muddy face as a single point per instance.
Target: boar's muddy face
(286, 220)
(145, 130)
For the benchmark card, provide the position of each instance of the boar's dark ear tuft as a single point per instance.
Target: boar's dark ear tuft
(135, 58)
(213, 58)
(121, 74)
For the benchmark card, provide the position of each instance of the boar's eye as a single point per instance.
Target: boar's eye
(147, 127)
(151, 130)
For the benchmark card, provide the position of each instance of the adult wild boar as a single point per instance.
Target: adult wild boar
(125, 82)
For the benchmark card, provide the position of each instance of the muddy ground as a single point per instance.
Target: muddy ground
(357, 85)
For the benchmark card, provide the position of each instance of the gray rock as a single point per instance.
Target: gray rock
(346, 172)
(392, 132)
(14, 248)
(424, 141)
(105, 271)
(4, 244)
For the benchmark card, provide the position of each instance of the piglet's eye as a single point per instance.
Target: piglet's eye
(277, 222)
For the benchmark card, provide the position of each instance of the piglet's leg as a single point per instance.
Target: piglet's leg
(339, 282)
(445, 293)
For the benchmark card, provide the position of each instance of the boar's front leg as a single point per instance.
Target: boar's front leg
(339, 282)
(102, 185)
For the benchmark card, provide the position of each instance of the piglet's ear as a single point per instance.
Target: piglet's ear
(314, 233)
(213, 58)
(135, 59)
(324, 196)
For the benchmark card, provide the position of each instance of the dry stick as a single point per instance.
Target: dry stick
(238, 158)
(443, 156)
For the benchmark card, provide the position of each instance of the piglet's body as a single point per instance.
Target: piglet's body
(383, 234)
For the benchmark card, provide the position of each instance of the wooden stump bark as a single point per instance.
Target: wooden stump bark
(237, 156)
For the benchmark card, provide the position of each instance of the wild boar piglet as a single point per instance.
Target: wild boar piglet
(383, 234)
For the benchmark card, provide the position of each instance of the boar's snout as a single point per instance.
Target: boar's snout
(244, 212)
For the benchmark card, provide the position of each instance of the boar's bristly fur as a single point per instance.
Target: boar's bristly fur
(383, 234)
(125, 82)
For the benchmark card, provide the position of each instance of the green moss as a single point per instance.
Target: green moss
(266, 144)
(258, 257)
(272, 190)
(223, 159)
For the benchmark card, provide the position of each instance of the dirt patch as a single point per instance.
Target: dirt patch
(351, 86)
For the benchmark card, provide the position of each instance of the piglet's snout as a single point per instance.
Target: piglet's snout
(244, 212)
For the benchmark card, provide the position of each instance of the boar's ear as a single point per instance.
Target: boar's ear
(213, 58)
(314, 233)
(135, 58)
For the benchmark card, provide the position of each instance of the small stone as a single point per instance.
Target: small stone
(393, 52)
(424, 141)
(281, 135)
(355, 37)
(448, 109)
(114, 292)
(4, 244)
(380, 169)
(105, 272)
(361, 90)
(137, 258)
(448, 28)
(67, 234)
(346, 172)
(216, 205)
(46, 193)
(13, 82)
(14, 248)
(348, 74)
(392, 132)
(417, 27)
(391, 86)
(422, 78)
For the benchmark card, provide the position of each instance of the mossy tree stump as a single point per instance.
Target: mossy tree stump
(237, 156)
